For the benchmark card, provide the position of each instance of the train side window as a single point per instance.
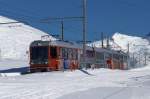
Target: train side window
(53, 52)
(100, 55)
(61, 53)
(70, 53)
(65, 53)
(90, 54)
(74, 54)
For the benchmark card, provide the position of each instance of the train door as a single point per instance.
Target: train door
(108, 57)
(53, 58)
(60, 59)
(65, 56)
(75, 57)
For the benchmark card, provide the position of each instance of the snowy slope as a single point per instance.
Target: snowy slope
(135, 43)
(15, 39)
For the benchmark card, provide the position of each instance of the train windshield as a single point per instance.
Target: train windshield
(39, 55)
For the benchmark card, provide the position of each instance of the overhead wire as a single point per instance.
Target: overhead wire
(54, 25)
(19, 14)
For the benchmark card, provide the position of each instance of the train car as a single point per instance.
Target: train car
(118, 60)
(53, 56)
(60, 55)
(108, 58)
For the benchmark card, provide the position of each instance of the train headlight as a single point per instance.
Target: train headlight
(32, 63)
(46, 62)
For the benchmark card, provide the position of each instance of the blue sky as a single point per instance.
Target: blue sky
(126, 16)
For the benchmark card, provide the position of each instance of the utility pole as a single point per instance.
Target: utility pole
(108, 42)
(61, 20)
(145, 63)
(84, 31)
(62, 30)
(102, 38)
(133, 58)
(139, 59)
(128, 46)
(128, 52)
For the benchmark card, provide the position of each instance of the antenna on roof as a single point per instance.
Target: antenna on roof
(45, 38)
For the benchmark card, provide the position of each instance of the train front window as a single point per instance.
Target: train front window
(39, 55)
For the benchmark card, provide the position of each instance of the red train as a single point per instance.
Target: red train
(60, 55)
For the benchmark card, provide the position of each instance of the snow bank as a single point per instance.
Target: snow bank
(9, 74)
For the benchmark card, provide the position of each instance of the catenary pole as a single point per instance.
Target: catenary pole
(62, 30)
(84, 31)
(102, 38)
(128, 52)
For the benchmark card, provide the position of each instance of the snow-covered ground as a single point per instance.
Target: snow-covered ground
(101, 84)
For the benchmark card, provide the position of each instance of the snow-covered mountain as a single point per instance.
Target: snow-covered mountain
(136, 44)
(139, 47)
(120, 41)
(15, 39)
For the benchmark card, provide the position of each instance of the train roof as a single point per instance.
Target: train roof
(73, 45)
(55, 43)
(62, 44)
